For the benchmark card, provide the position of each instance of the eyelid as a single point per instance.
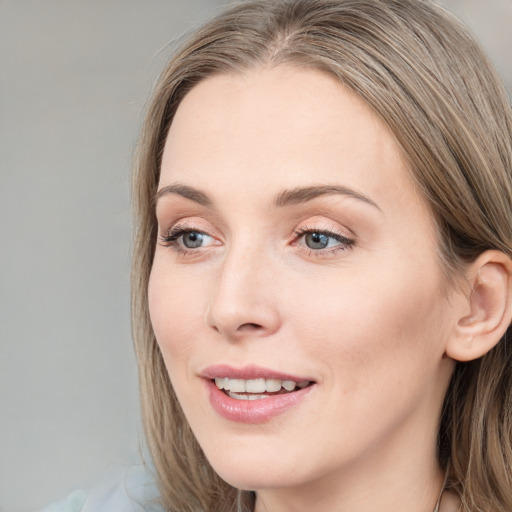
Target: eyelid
(187, 223)
(346, 240)
(171, 237)
(176, 233)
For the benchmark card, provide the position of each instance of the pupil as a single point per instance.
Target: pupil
(192, 240)
(317, 240)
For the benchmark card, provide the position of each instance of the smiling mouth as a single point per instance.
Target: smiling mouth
(257, 389)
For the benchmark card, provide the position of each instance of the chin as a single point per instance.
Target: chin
(254, 479)
(261, 468)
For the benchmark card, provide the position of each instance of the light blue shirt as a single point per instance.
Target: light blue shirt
(133, 490)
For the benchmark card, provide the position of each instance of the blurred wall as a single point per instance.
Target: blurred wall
(73, 78)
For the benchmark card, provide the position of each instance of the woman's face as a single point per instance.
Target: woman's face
(294, 246)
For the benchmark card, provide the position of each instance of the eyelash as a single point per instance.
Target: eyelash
(345, 242)
(171, 239)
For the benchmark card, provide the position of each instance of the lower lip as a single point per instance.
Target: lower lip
(253, 411)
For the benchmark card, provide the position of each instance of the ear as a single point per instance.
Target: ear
(487, 308)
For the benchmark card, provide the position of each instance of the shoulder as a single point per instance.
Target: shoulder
(130, 490)
(73, 503)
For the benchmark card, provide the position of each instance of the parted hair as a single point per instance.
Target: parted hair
(427, 78)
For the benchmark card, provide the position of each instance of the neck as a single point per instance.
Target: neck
(390, 498)
(403, 477)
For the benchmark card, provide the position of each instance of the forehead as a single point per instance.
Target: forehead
(281, 125)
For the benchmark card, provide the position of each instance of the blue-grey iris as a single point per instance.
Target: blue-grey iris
(316, 240)
(192, 239)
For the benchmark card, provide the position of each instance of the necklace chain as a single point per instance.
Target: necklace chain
(443, 487)
(436, 508)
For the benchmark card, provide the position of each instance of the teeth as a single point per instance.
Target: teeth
(221, 382)
(236, 385)
(257, 385)
(272, 385)
(289, 385)
(247, 397)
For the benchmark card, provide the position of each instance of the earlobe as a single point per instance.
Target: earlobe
(488, 308)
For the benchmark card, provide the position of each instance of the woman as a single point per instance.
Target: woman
(322, 276)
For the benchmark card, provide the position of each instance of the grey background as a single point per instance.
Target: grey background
(74, 76)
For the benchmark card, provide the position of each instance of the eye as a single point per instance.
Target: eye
(184, 239)
(321, 241)
(193, 239)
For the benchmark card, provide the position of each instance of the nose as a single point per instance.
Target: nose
(245, 299)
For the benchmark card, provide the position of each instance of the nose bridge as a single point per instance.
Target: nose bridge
(243, 301)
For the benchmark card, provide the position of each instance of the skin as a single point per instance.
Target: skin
(368, 321)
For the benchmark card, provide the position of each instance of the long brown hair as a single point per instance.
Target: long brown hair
(429, 81)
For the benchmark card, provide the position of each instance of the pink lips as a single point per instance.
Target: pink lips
(251, 411)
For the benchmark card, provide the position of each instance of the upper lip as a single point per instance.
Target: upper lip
(248, 372)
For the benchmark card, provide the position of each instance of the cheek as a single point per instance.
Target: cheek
(372, 343)
(365, 326)
(175, 310)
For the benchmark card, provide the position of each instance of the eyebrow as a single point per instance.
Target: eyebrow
(185, 191)
(285, 198)
(304, 194)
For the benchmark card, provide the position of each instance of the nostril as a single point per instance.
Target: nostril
(250, 327)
